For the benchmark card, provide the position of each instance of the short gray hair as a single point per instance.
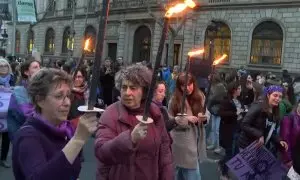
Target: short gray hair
(5, 62)
(137, 74)
(41, 83)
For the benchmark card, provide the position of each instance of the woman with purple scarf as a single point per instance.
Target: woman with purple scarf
(46, 146)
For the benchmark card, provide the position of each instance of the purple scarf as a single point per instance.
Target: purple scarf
(64, 128)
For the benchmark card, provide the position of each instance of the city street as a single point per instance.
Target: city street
(208, 169)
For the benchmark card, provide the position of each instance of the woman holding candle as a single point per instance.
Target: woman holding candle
(46, 147)
(189, 135)
(262, 121)
(125, 147)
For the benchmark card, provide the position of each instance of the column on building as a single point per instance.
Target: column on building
(121, 39)
(155, 40)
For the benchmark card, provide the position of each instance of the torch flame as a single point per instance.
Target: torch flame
(86, 44)
(195, 52)
(217, 61)
(180, 7)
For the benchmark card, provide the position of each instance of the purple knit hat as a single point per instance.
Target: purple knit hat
(273, 88)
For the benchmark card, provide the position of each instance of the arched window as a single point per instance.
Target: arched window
(221, 39)
(49, 41)
(30, 41)
(142, 44)
(18, 41)
(90, 33)
(266, 47)
(68, 41)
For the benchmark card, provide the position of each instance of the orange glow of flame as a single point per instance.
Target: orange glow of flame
(217, 61)
(86, 44)
(180, 7)
(195, 52)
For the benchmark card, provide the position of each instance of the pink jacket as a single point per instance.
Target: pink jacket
(118, 159)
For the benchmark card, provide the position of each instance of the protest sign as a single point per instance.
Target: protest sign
(4, 103)
(256, 163)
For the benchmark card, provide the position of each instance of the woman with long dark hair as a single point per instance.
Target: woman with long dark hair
(189, 135)
(231, 113)
(262, 121)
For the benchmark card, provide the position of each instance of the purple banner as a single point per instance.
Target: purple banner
(4, 103)
(256, 163)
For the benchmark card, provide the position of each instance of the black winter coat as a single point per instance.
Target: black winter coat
(228, 123)
(253, 126)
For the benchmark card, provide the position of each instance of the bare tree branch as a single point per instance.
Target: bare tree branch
(183, 21)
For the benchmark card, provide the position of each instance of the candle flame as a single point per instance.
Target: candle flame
(180, 7)
(86, 44)
(217, 61)
(195, 52)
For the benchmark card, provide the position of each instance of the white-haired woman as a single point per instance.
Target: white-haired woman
(5, 92)
(126, 148)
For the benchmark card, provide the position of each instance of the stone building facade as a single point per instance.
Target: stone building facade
(261, 35)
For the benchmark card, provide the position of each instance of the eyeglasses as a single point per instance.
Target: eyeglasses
(61, 97)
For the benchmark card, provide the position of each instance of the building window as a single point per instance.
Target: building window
(176, 54)
(68, 41)
(142, 44)
(90, 33)
(18, 41)
(112, 50)
(30, 41)
(49, 41)
(221, 39)
(266, 47)
(70, 4)
(91, 5)
(51, 7)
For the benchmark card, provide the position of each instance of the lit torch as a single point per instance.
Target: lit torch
(187, 70)
(80, 62)
(213, 69)
(176, 9)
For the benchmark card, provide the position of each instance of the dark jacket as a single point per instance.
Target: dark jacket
(253, 126)
(247, 96)
(295, 155)
(118, 158)
(228, 123)
(218, 93)
(37, 152)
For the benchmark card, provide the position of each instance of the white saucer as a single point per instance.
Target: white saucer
(85, 109)
(140, 118)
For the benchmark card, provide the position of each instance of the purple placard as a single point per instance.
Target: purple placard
(4, 103)
(256, 163)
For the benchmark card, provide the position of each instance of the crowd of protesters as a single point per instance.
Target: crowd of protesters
(48, 132)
